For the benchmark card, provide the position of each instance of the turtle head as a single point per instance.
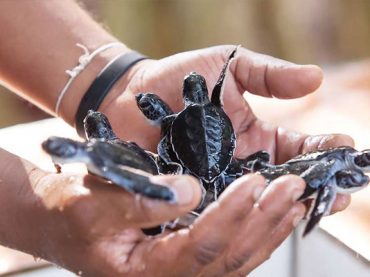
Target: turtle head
(361, 159)
(153, 107)
(97, 126)
(195, 89)
(63, 150)
(353, 178)
(350, 181)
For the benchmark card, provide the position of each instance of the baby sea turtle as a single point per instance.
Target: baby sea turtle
(326, 173)
(109, 161)
(201, 137)
(97, 126)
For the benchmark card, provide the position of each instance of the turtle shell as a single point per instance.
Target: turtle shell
(203, 139)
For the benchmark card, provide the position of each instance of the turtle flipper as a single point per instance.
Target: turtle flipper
(323, 203)
(315, 177)
(232, 172)
(256, 161)
(216, 97)
(262, 155)
(236, 165)
(137, 183)
(153, 107)
(169, 168)
(219, 185)
(154, 230)
(253, 163)
(167, 161)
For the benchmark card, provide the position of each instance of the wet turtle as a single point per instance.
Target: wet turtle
(109, 161)
(326, 173)
(97, 126)
(201, 137)
(159, 113)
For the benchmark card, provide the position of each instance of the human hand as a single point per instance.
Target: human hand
(252, 72)
(94, 228)
(329, 104)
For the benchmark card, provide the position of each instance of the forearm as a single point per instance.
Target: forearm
(38, 44)
(21, 206)
(35, 208)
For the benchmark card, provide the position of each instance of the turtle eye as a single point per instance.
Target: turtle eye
(350, 181)
(363, 160)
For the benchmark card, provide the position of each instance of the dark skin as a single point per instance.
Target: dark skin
(96, 228)
(256, 73)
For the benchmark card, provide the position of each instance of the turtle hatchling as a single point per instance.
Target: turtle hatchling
(109, 161)
(326, 173)
(97, 126)
(201, 137)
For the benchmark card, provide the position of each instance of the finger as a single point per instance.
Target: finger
(187, 192)
(267, 76)
(274, 204)
(107, 203)
(341, 203)
(320, 142)
(201, 244)
(290, 144)
(282, 231)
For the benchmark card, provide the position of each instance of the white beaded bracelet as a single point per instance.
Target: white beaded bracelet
(83, 60)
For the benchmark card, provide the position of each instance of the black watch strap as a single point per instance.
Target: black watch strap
(96, 93)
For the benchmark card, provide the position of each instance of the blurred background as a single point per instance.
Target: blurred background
(322, 32)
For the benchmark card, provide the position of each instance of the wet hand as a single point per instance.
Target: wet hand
(98, 231)
(250, 72)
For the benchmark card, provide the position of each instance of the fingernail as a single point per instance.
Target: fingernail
(184, 191)
(258, 192)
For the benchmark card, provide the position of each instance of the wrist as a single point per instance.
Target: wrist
(123, 85)
(103, 84)
(81, 83)
(20, 203)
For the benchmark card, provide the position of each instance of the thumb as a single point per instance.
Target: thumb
(271, 77)
(150, 212)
